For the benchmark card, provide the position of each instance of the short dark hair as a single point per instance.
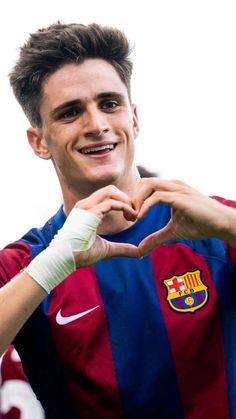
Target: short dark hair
(144, 172)
(48, 49)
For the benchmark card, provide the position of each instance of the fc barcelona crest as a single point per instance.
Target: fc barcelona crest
(187, 292)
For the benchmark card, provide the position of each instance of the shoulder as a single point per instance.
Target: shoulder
(17, 255)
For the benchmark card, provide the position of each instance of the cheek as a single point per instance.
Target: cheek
(126, 128)
(56, 142)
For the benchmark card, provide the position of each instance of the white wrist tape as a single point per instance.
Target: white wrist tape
(56, 262)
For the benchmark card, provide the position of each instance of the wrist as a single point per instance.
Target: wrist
(228, 230)
(57, 262)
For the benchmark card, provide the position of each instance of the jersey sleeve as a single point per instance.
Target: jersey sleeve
(13, 258)
(17, 255)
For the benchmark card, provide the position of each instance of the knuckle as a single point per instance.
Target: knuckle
(145, 184)
(111, 189)
(179, 182)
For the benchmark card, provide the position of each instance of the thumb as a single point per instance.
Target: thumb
(156, 239)
(121, 249)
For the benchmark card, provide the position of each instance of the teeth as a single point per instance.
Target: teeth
(101, 148)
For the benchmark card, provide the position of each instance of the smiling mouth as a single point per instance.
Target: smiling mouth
(103, 149)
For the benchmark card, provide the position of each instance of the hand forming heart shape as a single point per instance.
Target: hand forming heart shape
(194, 216)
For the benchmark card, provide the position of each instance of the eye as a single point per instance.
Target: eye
(70, 113)
(110, 105)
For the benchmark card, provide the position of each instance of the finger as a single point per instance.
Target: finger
(122, 249)
(147, 187)
(156, 198)
(102, 194)
(108, 205)
(156, 239)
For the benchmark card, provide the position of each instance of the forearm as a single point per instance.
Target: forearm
(18, 299)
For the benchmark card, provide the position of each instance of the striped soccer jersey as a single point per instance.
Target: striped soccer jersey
(126, 338)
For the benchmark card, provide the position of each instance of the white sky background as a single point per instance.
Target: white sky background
(184, 84)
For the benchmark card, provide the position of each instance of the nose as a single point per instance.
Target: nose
(94, 122)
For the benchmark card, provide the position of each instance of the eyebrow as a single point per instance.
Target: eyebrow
(78, 102)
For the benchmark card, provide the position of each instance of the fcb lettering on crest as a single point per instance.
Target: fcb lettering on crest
(186, 293)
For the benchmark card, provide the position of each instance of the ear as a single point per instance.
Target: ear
(38, 143)
(135, 121)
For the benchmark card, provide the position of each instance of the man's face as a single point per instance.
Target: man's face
(88, 125)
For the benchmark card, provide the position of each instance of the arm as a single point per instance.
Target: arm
(75, 245)
(18, 299)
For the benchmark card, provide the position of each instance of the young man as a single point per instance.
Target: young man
(150, 333)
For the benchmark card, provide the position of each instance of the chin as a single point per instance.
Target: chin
(107, 176)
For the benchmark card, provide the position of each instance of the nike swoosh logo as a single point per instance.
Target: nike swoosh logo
(67, 319)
